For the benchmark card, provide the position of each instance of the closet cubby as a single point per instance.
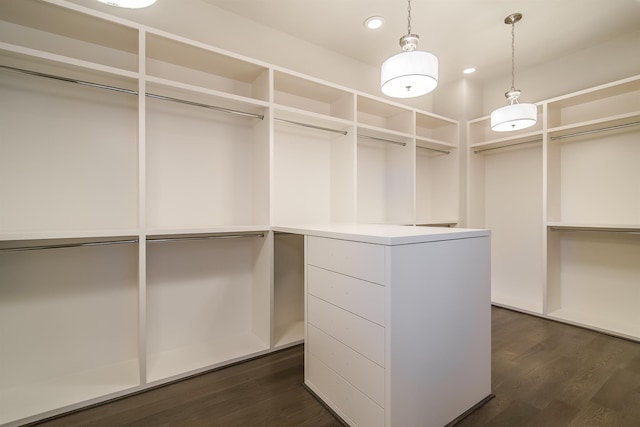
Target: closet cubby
(49, 31)
(594, 278)
(206, 168)
(288, 290)
(313, 174)
(380, 116)
(190, 64)
(505, 196)
(292, 92)
(437, 185)
(436, 132)
(77, 172)
(437, 170)
(385, 178)
(617, 102)
(68, 313)
(593, 178)
(207, 302)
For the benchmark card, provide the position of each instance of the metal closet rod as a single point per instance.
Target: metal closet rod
(185, 238)
(375, 138)
(306, 125)
(593, 230)
(587, 132)
(434, 149)
(67, 245)
(508, 145)
(133, 92)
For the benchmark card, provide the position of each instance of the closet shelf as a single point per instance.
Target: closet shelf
(84, 235)
(522, 139)
(21, 54)
(181, 232)
(21, 402)
(378, 132)
(613, 228)
(606, 324)
(222, 99)
(594, 126)
(309, 126)
(308, 117)
(192, 359)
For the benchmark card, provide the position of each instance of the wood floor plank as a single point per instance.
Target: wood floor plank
(544, 374)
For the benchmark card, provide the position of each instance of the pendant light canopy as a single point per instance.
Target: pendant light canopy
(514, 116)
(412, 72)
(131, 4)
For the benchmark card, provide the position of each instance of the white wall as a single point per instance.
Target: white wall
(602, 63)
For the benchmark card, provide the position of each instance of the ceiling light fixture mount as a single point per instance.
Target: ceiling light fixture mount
(412, 72)
(514, 116)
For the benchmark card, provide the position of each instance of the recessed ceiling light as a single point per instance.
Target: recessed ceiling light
(374, 22)
(469, 70)
(131, 4)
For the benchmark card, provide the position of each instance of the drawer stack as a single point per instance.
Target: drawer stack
(345, 357)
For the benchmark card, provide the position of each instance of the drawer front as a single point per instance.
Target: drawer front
(363, 336)
(362, 373)
(346, 400)
(363, 298)
(362, 260)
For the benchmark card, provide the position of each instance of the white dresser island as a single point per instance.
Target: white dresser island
(397, 321)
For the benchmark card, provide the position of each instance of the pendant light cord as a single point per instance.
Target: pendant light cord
(409, 17)
(513, 56)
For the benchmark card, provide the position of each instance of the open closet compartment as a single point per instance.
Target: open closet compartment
(385, 162)
(437, 170)
(207, 139)
(593, 226)
(46, 113)
(313, 152)
(313, 182)
(288, 292)
(208, 301)
(68, 310)
(92, 192)
(505, 195)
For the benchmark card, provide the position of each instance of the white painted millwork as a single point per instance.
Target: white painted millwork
(191, 276)
(433, 347)
(563, 203)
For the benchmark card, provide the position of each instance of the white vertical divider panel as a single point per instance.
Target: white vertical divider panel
(142, 211)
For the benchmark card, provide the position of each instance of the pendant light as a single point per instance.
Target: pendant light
(130, 4)
(412, 72)
(514, 116)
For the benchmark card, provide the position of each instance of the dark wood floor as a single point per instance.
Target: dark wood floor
(545, 374)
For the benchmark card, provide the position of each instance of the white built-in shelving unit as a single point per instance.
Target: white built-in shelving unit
(140, 176)
(563, 202)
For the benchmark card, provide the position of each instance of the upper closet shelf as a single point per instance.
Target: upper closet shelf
(434, 144)
(382, 133)
(172, 58)
(612, 123)
(61, 34)
(299, 93)
(521, 140)
(294, 116)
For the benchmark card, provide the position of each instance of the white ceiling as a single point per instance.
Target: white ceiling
(461, 33)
